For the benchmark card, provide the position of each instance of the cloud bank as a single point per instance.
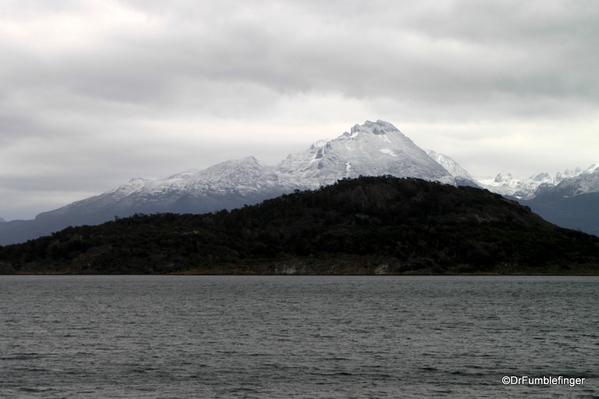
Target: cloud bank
(93, 93)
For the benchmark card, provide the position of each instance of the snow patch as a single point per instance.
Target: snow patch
(593, 168)
(450, 165)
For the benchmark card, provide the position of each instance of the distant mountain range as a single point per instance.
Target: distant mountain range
(372, 149)
(569, 199)
(526, 188)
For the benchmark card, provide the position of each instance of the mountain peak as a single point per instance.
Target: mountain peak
(251, 160)
(372, 149)
(592, 169)
(378, 127)
(503, 177)
(542, 177)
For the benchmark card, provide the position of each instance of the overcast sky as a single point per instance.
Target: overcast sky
(94, 93)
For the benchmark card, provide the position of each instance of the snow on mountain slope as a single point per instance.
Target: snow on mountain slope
(568, 173)
(372, 149)
(571, 182)
(572, 203)
(375, 148)
(241, 178)
(585, 182)
(450, 165)
(522, 188)
(97, 202)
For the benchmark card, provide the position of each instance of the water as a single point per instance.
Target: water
(296, 336)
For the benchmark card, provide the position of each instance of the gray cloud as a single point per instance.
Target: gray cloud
(118, 89)
(467, 51)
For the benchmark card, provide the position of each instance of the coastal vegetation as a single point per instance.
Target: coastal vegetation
(368, 225)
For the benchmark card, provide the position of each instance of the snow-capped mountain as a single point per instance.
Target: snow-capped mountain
(371, 149)
(573, 202)
(571, 182)
(375, 148)
(227, 185)
(569, 199)
(522, 188)
(568, 173)
(572, 185)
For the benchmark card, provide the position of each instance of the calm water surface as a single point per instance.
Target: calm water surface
(296, 336)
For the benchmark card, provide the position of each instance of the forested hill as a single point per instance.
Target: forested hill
(370, 225)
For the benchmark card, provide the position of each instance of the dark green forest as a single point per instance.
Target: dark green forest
(369, 225)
